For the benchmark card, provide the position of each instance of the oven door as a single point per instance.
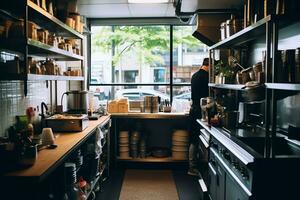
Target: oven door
(234, 191)
(203, 154)
(212, 181)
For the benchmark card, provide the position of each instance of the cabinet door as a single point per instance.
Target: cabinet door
(234, 191)
(220, 183)
(212, 178)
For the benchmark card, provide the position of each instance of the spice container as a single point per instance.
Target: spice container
(233, 26)
(223, 30)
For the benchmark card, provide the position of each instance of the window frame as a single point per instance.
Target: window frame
(170, 84)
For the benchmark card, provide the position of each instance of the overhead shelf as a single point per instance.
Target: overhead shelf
(49, 22)
(37, 48)
(245, 35)
(283, 86)
(227, 86)
(37, 77)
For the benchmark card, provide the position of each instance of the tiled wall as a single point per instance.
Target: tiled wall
(13, 102)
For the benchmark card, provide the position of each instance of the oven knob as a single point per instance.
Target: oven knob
(226, 155)
(214, 145)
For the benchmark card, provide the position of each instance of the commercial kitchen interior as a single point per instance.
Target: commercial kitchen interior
(95, 99)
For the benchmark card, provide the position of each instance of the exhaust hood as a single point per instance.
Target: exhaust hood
(209, 15)
(208, 27)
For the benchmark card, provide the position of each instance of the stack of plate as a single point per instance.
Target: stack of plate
(180, 145)
(134, 140)
(124, 144)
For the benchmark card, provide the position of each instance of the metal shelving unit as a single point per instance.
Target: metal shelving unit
(245, 35)
(268, 27)
(226, 86)
(26, 47)
(283, 86)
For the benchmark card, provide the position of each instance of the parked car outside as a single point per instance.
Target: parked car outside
(186, 95)
(138, 94)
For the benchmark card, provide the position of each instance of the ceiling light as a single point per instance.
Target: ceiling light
(148, 1)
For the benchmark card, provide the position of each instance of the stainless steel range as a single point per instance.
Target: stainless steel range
(237, 169)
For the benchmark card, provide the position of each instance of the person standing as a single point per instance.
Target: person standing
(199, 88)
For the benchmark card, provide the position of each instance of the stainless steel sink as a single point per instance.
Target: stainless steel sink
(281, 146)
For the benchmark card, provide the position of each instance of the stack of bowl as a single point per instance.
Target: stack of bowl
(143, 148)
(134, 140)
(124, 144)
(180, 145)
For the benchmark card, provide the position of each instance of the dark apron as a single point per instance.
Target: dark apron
(194, 126)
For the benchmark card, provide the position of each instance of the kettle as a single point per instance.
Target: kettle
(77, 102)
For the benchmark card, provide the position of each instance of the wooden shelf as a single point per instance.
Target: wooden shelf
(37, 77)
(227, 86)
(149, 159)
(283, 86)
(36, 48)
(50, 22)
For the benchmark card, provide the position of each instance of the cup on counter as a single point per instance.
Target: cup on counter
(47, 136)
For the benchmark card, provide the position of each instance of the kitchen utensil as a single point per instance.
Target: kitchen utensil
(160, 152)
(233, 26)
(29, 156)
(206, 105)
(253, 91)
(47, 136)
(243, 76)
(180, 148)
(77, 101)
(44, 4)
(67, 122)
(223, 30)
(151, 104)
(181, 133)
(50, 8)
(257, 68)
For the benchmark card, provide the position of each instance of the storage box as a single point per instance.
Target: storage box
(123, 107)
(67, 123)
(112, 107)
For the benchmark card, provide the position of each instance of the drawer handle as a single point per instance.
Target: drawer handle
(202, 185)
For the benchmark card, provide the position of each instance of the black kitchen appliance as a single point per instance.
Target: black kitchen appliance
(238, 170)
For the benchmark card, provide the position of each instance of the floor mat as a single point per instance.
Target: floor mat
(148, 185)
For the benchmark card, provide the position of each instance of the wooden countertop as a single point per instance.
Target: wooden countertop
(159, 115)
(49, 159)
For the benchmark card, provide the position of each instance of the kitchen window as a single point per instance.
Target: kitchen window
(134, 61)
